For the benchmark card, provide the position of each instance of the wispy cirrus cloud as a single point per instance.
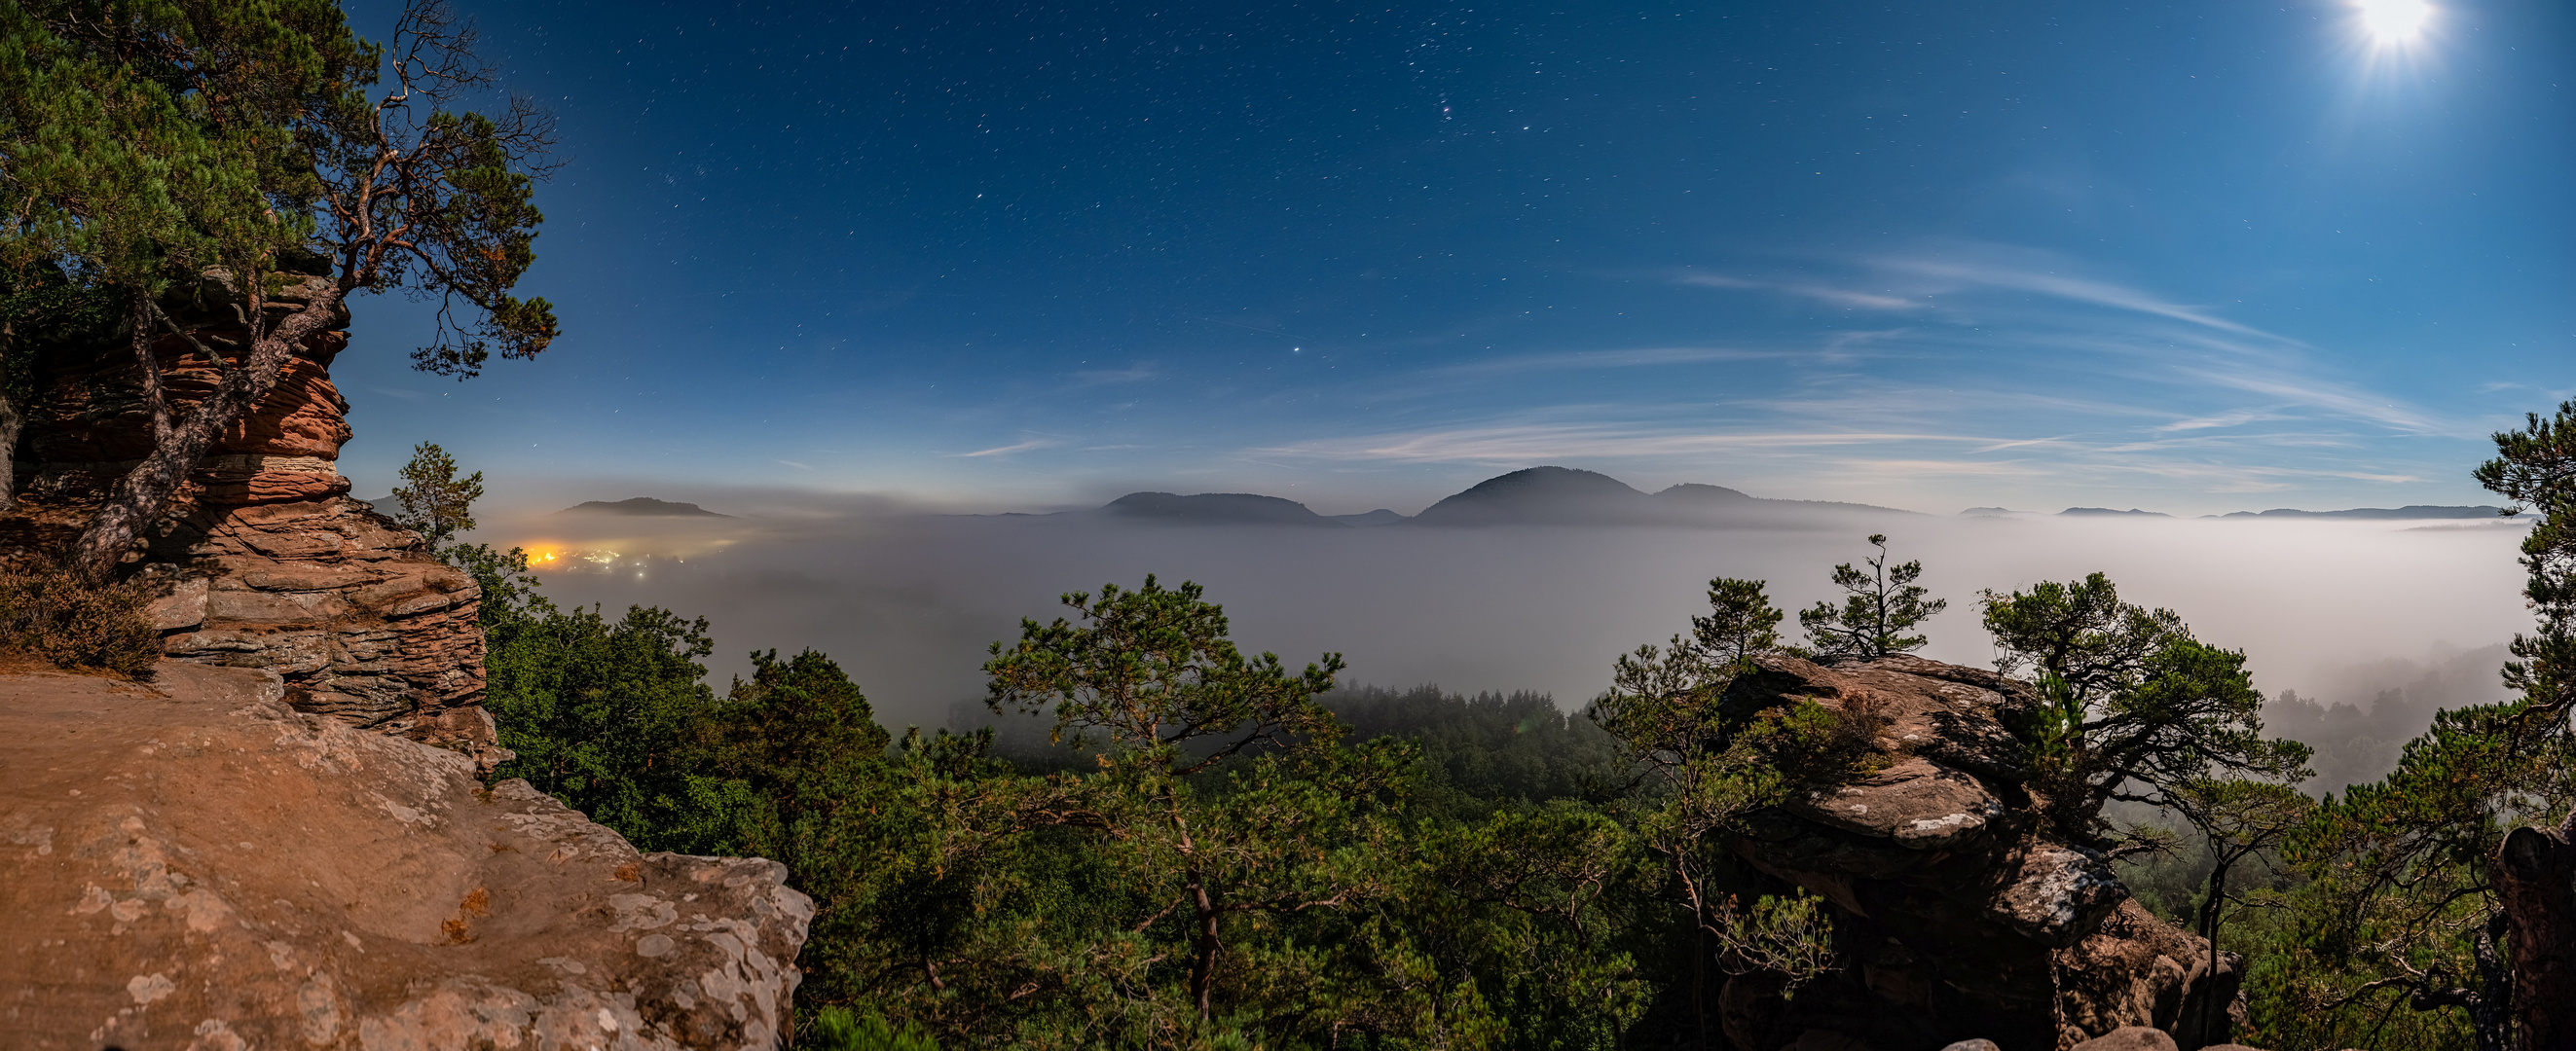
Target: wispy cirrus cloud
(2332, 398)
(1644, 357)
(2081, 290)
(1841, 297)
(2205, 348)
(2237, 418)
(1016, 447)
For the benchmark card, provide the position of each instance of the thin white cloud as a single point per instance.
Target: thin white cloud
(794, 464)
(1017, 447)
(1916, 468)
(2099, 293)
(1841, 297)
(1647, 357)
(2237, 418)
(2333, 398)
(2213, 351)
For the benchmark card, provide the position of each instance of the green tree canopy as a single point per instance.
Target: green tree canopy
(2136, 708)
(435, 502)
(1152, 669)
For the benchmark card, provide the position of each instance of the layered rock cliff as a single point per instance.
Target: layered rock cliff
(1955, 918)
(194, 864)
(264, 562)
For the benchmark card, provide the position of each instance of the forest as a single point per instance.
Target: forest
(1158, 838)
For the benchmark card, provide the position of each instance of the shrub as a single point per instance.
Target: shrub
(1808, 743)
(60, 616)
(839, 1029)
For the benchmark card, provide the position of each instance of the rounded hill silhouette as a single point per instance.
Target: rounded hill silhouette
(642, 506)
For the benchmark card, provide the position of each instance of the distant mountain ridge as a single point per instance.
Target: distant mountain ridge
(1215, 508)
(641, 506)
(1534, 496)
(1566, 496)
(2084, 512)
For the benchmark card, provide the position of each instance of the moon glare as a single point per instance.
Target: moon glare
(2393, 21)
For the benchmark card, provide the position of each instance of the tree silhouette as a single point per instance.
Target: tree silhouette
(1881, 606)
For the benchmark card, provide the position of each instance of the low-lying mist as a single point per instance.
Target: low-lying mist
(2342, 613)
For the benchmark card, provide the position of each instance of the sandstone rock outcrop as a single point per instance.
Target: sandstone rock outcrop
(1954, 918)
(265, 562)
(89, 422)
(195, 865)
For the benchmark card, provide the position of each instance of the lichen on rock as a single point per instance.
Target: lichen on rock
(194, 863)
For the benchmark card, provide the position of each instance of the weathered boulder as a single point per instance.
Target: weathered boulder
(263, 561)
(1954, 917)
(194, 864)
(2129, 1038)
(2135, 966)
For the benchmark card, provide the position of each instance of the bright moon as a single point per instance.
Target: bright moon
(2391, 21)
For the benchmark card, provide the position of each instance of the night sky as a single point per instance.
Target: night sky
(2195, 256)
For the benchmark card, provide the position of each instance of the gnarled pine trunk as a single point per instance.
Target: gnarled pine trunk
(2536, 878)
(140, 497)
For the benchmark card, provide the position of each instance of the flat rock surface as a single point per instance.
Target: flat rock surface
(191, 864)
(1913, 802)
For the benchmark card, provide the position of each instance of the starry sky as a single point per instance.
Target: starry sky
(2195, 256)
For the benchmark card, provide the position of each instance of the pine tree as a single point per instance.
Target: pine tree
(2134, 708)
(435, 502)
(1880, 607)
(1152, 673)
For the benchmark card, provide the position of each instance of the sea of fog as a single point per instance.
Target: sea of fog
(2341, 612)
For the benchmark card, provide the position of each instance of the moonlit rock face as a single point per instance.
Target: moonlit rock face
(1928, 849)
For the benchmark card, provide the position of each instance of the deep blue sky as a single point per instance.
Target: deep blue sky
(2192, 256)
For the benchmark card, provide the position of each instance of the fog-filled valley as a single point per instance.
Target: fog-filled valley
(2372, 623)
